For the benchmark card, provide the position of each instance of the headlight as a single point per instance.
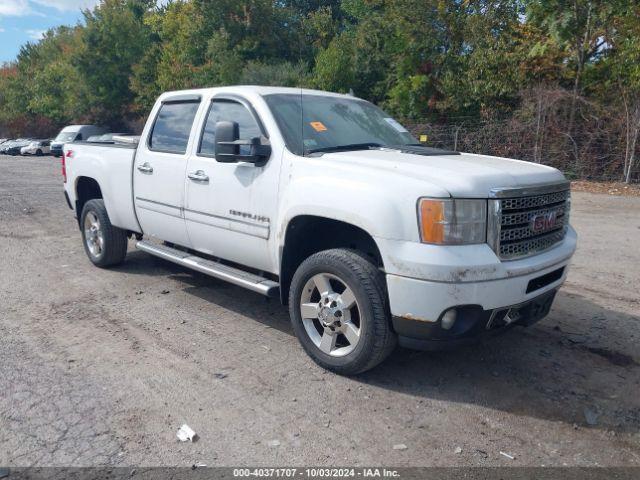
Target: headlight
(452, 222)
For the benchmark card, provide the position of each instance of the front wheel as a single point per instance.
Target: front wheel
(104, 244)
(339, 312)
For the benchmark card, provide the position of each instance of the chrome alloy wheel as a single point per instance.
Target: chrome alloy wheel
(330, 314)
(94, 237)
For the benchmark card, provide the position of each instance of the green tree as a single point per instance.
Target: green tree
(114, 39)
(43, 82)
(580, 28)
(616, 79)
(284, 74)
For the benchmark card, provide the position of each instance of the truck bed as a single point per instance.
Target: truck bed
(111, 165)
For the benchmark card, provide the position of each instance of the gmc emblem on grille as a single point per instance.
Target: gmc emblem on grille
(543, 222)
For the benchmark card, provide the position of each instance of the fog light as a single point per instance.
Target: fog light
(448, 319)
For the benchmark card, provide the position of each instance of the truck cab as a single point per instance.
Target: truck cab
(329, 204)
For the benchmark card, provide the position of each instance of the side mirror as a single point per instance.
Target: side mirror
(228, 145)
(227, 133)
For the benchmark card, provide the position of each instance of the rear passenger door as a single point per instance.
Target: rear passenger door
(160, 169)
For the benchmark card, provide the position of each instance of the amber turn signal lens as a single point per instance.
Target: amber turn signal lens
(453, 221)
(432, 220)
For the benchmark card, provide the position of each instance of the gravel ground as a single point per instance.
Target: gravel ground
(101, 367)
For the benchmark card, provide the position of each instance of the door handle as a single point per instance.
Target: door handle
(145, 168)
(198, 176)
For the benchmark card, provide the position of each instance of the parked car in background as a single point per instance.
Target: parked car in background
(74, 133)
(4, 148)
(106, 138)
(14, 147)
(4, 145)
(37, 147)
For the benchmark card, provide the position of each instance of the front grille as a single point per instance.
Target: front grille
(535, 201)
(520, 226)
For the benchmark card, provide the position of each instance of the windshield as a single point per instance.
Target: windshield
(66, 136)
(329, 123)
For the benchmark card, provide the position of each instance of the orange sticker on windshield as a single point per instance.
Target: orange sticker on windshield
(318, 126)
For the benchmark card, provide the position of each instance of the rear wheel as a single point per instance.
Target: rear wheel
(339, 312)
(104, 244)
(39, 152)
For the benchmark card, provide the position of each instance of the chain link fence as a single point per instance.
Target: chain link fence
(595, 146)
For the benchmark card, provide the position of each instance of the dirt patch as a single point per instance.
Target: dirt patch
(102, 366)
(616, 358)
(17, 236)
(607, 188)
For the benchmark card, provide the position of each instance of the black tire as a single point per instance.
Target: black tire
(39, 153)
(377, 339)
(114, 245)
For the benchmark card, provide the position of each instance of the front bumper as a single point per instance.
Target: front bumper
(476, 283)
(473, 323)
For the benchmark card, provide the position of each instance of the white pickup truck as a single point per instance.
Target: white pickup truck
(328, 203)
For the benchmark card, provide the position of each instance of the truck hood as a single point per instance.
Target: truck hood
(465, 175)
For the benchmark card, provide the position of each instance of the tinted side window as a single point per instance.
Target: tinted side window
(222, 110)
(172, 127)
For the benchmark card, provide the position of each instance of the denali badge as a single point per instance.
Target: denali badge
(543, 222)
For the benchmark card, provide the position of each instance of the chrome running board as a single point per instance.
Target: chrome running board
(213, 269)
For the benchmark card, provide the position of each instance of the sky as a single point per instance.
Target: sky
(23, 21)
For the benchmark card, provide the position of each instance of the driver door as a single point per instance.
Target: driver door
(221, 214)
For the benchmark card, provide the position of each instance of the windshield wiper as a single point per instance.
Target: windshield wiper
(344, 148)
